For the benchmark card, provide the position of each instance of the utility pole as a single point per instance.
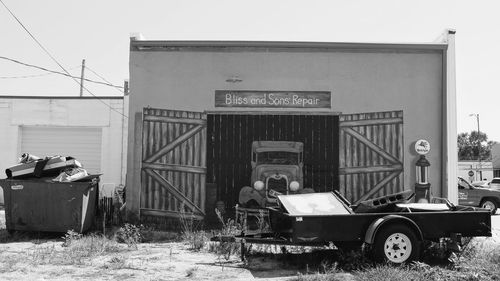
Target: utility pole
(81, 77)
(478, 147)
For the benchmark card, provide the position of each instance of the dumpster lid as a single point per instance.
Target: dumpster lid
(88, 178)
(313, 204)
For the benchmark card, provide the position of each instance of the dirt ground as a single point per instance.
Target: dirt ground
(35, 258)
(170, 261)
(45, 258)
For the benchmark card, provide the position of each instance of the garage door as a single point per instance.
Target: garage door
(84, 144)
(229, 143)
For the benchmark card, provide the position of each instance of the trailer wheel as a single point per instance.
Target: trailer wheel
(490, 205)
(396, 244)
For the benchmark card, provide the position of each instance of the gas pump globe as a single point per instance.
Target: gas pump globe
(422, 185)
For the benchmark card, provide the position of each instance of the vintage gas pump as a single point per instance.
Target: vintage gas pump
(422, 185)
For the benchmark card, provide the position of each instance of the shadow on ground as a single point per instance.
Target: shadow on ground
(290, 264)
(25, 236)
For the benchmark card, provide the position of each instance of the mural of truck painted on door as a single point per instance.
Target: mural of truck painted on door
(276, 169)
(361, 155)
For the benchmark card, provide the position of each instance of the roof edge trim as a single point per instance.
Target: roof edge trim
(64, 97)
(152, 45)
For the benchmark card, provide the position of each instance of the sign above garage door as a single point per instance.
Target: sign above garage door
(275, 99)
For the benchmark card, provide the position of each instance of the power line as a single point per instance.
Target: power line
(25, 76)
(52, 57)
(32, 75)
(33, 37)
(57, 72)
(104, 79)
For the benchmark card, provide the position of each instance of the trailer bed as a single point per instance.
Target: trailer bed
(390, 225)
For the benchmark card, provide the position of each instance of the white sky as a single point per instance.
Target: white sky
(99, 32)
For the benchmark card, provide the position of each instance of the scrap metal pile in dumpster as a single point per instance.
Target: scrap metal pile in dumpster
(53, 194)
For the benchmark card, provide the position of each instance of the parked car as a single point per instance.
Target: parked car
(469, 195)
(481, 183)
(495, 183)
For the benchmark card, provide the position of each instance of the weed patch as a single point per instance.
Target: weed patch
(325, 277)
(191, 271)
(225, 249)
(71, 236)
(94, 245)
(191, 233)
(129, 234)
(196, 239)
(77, 249)
(478, 261)
(481, 257)
(118, 262)
(150, 235)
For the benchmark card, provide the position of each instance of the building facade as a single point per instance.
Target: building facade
(359, 109)
(495, 159)
(92, 130)
(473, 171)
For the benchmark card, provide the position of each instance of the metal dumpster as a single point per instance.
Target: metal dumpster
(35, 205)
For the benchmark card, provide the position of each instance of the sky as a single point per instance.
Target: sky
(99, 32)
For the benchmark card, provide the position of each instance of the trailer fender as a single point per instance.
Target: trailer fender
(376, 225)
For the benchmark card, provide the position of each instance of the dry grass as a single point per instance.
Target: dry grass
(150, 235)
(195, 239)
(117, 263)
(191, 272)
(479, 261)
(191, 232)
(78, 251)
(225, 249)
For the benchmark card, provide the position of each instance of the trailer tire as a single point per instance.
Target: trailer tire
(396, 244)
(489, 204)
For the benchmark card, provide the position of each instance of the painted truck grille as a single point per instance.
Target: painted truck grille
(279, 185)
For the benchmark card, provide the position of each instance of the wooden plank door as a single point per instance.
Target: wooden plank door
(173, 163)
(371, 154)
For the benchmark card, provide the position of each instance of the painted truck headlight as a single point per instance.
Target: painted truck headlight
(258, 185)
(294, 186)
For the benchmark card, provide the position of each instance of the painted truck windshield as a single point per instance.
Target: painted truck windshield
(278, 158)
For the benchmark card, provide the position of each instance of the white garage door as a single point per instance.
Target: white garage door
(84, 144)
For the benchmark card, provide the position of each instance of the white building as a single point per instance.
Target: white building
(475, 170)
(93, 130)
(495, 158)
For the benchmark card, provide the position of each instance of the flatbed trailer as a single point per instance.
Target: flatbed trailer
(394, 230)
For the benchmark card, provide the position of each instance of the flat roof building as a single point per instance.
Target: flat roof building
(358, 108)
